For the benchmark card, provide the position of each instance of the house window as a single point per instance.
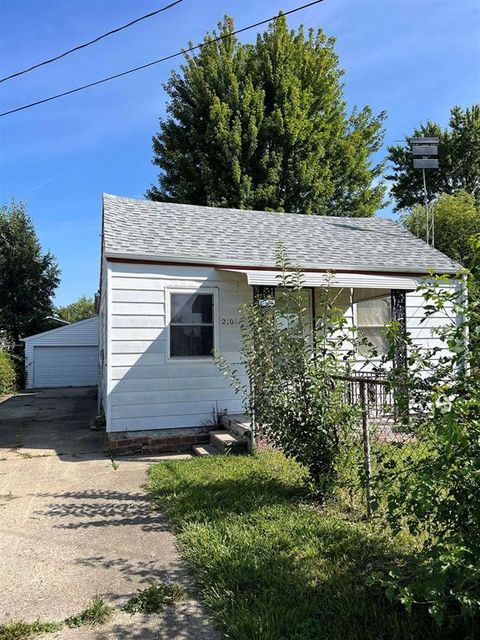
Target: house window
(372, 316)
(191, 325)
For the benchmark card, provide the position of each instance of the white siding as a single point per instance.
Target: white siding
(79, 334)
(146, 389)
(423, 333)
(102, 338)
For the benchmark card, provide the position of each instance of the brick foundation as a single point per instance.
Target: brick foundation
(157, 441)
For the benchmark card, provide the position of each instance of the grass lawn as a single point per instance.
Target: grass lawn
(268, 563)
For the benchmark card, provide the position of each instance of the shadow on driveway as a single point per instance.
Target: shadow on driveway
(100, 508)
(50, 421)
(74, 525)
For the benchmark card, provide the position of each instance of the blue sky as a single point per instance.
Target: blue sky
(414, 58)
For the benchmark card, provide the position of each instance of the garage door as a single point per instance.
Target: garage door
(65, 366)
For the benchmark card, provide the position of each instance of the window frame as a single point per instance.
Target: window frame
(168, 316)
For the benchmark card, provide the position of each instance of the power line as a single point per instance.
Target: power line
(164, 59)
(87, 44)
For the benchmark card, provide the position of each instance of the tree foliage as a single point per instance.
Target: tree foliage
(433, 489)
(7, 372)
(265, 126)
(297, 404)
(81, 309)
(457, 220)
(459, 160)
(425, 484)
(28, 277)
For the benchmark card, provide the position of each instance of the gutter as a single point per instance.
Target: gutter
(263, 266)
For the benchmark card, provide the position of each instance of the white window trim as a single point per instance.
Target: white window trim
(168, 316)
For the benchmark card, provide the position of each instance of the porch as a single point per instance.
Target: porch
(368, 301)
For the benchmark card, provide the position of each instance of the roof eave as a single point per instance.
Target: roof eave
(260, 264)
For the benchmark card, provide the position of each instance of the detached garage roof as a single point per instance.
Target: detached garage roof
(143, 229)
(82, 332)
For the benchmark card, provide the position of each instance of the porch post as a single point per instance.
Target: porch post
(398, 299)
(261, 292)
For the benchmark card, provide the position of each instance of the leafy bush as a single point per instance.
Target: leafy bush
(292, 391)
(436, 494)
(431, 489)
(7, 373)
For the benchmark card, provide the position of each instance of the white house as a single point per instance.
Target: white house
(173, 278)
(63, 357)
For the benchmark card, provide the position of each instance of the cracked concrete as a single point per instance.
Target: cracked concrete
(73, 526)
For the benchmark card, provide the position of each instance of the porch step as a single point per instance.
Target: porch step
(237, 423)
(203, 450)
(227, 442)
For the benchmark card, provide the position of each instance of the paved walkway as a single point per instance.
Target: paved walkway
(73, 526)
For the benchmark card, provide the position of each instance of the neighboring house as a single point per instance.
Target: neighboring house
(55, 322)
(173, 278)
(63, 357)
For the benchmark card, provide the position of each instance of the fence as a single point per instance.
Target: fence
(385, 434)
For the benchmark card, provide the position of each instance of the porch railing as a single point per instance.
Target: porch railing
(383, 431)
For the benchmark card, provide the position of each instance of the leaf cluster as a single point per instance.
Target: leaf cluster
(434, 493)
(459, 160)
(7, 373)
(457, 223)
(265, 126)
(81, 309)
(155, 597)
(98, 612)
(291, 388)
(28, 277)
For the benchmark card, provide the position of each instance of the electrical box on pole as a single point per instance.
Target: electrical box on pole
(425, 156)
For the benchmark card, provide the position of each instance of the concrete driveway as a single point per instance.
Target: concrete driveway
(74, 525)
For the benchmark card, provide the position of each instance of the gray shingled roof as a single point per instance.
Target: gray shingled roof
(160, 230)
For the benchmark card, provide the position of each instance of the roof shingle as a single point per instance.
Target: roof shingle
(161, 230)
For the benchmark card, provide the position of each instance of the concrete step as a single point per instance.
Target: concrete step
(203, 450)
(227, 442)
(238, 424)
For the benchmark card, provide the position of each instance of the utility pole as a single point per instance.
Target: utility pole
(425, 156)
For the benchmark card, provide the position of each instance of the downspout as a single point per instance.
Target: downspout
(314, 323)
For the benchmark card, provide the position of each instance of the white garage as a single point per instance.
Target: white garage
(63, 357)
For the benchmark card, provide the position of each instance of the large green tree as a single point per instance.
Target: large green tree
(457, 221)
(28, 277)
(459, 160)
(265, 126)
(81, 309)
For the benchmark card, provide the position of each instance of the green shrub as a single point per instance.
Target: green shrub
(435, 491)
(7, 373)
(436, 497)
(298, 405)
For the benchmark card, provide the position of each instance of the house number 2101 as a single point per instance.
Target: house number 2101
(230, 321)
